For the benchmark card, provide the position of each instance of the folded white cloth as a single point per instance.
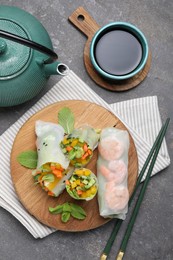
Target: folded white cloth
(141, 116)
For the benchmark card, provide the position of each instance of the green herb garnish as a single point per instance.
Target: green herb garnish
(66, 119)
(65, 216)
(28, 159)
(77, 212)
(57, 210)
(68, 209)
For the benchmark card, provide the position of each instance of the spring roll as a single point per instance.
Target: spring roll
(112, 173)
(79, 145)
(82, 185)
(53, 166)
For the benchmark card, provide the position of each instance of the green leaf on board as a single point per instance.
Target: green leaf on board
(77, 214)
(57, 210)
(28, 159)
(68, 209)
(76, 208)
(65, 216)
(66, 119)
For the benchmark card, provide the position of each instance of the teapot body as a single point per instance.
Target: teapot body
(17, 90)
(22, 74)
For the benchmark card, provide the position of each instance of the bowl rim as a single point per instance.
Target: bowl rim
(141, 38)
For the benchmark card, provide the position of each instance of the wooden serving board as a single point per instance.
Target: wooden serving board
(36, 200)
(85, 23)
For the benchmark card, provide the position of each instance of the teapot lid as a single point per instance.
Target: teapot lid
(14, 57)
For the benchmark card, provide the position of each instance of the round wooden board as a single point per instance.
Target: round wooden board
(36, 200)
(85, 23)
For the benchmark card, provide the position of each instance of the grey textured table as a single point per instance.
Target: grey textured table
(152, 236)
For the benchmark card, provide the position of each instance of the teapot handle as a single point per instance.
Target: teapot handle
(10, 36)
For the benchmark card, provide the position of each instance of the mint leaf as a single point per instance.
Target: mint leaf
(77, 211)
(65, 216)
(66, 207)
(66, 119)
(57, 210)
(28, 159)
(76, 208)
(77, 214)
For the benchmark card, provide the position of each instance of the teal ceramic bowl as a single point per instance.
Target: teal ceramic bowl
(118, 51)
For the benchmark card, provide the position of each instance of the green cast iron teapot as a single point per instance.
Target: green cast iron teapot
(25, 64)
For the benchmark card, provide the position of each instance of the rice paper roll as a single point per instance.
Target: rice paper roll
(79, 145)
(53, 166)
(82, 185)
(112, 173)
(49, 137)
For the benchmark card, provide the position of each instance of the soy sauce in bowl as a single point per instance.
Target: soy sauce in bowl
(118, 52)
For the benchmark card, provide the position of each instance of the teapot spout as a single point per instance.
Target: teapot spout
(56, 68)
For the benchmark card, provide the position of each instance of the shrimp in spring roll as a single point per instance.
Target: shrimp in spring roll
(53, 166)
(112, 173)
(79, 145)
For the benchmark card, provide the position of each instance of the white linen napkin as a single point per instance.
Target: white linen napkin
(141, 116)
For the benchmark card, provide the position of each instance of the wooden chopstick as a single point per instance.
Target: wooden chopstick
(155, 148)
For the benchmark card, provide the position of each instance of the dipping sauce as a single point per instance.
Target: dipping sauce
(118, 52)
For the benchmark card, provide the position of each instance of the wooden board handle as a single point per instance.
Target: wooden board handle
(83, 21)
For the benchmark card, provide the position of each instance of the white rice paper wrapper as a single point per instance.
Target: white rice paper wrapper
(60, 187)
(112, 173)
(87, 134)
(49, 136)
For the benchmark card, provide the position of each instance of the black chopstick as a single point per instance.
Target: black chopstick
(155, 147)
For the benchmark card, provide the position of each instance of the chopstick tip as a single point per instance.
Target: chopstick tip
(103, 256)
(120, 255)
